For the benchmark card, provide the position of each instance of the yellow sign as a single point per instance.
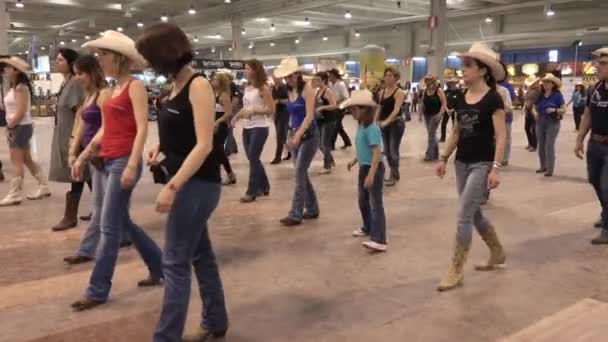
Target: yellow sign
(371, 65)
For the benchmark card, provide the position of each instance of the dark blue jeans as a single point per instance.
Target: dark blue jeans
(187, 245)
(391, 136)
(114, 218)
(370, 204)
(254, 140)
(327, 131)
(304, 196)
(432, 150)
(597, 170)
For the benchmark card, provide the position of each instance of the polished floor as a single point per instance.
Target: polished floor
(315, 282)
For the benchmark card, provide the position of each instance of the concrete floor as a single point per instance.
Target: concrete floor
(315, 282)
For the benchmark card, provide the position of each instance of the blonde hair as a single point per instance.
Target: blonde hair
(223, 83)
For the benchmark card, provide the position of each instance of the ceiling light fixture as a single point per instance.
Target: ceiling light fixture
(229, 49)
(550, 12)
(42, 48)
(87, 37)
(140, 24)
(218, 36)
(19, 4)
(272, 28)
(243, 32)
(488, 19)
(271, 44)
(251, 45)
(347, 15)
(213, 49)
(195, 39)
(164, 17)
(73, 40)
(297, 41)
(192, 11)
(325, 38)
(62, 43)
(227, 1)
(196, 53)
(306, 21)
(357, 34)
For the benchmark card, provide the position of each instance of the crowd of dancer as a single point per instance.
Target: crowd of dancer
(100, 133)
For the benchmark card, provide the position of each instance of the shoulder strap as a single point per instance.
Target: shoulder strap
(395, 92)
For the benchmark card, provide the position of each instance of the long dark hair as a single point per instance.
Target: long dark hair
(176, 50)
(368, 116)
(324, 76)
(22, 79)
(89, 65)
(300, 84)
(259, 73)
(489, 77)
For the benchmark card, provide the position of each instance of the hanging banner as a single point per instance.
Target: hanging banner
(372, 65)
(199, 63)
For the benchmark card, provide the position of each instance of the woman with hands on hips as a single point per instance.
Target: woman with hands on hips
(186, 131)
(479, 140)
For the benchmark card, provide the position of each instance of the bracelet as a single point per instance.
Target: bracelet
(497, 165)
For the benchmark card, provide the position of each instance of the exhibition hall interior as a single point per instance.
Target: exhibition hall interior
(303, 170)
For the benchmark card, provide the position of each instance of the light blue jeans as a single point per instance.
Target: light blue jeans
(187, 245)
(507, 155)
(114, 218)
(547, 130)
(327, 131)
(90, 239)
(304, 196)
(472, 184)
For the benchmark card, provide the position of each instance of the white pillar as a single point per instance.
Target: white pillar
(437, 47)
(237, 40)
(4, 24)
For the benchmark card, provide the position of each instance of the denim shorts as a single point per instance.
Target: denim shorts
(20, 136)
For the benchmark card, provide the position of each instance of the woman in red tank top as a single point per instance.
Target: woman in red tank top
(121, 139)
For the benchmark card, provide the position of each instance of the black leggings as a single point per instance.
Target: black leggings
(530, 127)
(578, 114)
(218, 143)
(77, 187)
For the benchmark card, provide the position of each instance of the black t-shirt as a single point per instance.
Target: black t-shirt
(477, 141)
(177, 137)
(279, 92)
(598, 107)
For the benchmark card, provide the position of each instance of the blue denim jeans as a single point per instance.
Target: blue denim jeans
(304, 196)
(472, 184)
(187, 245)
(327, 131)
(254, 140)
(507, 155)
(547, 130)
(392, 136)
(597, 170)
(370, 204)
(114, 218)
(432, 150)
(90, 239)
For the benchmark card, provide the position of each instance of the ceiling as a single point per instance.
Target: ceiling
(50, 22)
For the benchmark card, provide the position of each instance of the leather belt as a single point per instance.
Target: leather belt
(600, 138)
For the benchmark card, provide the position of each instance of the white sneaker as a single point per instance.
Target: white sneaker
(378, 247)
(359, 233)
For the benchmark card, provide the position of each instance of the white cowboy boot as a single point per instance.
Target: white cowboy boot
(14, 196)
(43, 188)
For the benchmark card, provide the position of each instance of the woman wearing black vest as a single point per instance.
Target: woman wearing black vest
(193, 191)
(434, 104)
(391, 122)
(327, 116)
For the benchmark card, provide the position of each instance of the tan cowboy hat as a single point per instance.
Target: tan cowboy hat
(16, 63)
(360, 98)
(287, 67)
(602, 54)
(487, 56)
(552, 78)
(120, 43)
(531, 80)
(452, 80)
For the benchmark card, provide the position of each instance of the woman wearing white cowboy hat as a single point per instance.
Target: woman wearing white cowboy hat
(120, 142)
(369, 143)
(479, 139)
(595, 119)
(18, 102)
(548, 111)
(303, 141)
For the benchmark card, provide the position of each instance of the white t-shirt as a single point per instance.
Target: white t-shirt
(340, 91)
(10, 106)
(506, 98)
(252, 98)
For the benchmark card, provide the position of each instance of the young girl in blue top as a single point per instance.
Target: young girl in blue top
(371, 170)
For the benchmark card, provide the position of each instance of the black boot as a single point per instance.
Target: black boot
(602, 239)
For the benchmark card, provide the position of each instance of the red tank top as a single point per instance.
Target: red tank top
(119, 127)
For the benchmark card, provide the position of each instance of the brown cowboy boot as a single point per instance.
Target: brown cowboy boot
(70, 217)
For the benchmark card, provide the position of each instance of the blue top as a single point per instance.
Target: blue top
(297, 112)
(366, 138)
(555, 100)
(578, 99)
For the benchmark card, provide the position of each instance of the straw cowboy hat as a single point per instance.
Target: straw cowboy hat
(601, 54)
(120, 43)
(360, 98)
(552, 78)
(287, 67)
(452, 80)
(487, 56)
(16, 63)
(531, 80)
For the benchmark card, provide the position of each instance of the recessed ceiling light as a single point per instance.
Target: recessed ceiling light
(297, 41)
(195, 39)
(550, 12)
(42, 48)
(119, 29)
(62, 43)
(272, 28)
(271, 44)
(164, 17)
(325, 38)
(227, 1)
(243, 32)
(218, 36)
(347, 15)
(489, 19)
(73, 40)
(140, 24)
(191, 11)
(251, 45)
(357, 34)
(213, 49)
(19, 4)
(196, 53)
(229, 49)
(87, 37)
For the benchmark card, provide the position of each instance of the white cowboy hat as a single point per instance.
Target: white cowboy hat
(601, 54)
(120, 43)
(287, 67)
(360, 98)
(487, 56)
(552, 78)
(16, 63)
(531, 80)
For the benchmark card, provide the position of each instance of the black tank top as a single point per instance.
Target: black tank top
(326, 115)
(177, 136)
(432, 103)
(387, 105)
